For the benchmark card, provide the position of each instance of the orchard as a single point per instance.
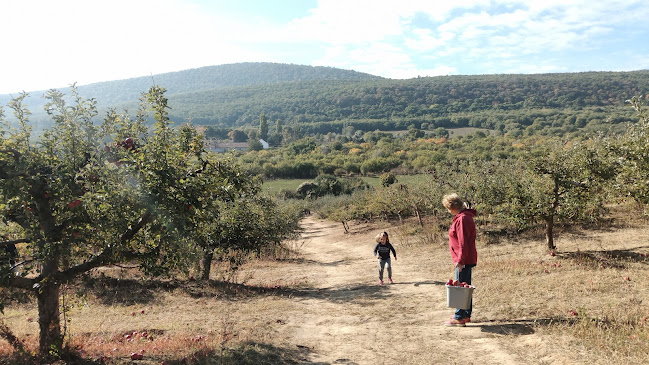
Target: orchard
(85, 195)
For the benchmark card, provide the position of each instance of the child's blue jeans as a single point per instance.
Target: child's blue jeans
(382, 264)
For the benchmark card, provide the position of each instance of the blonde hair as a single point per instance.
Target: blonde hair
(452, 201)
(378, 237)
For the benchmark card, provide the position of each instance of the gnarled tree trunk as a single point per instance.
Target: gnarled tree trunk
(549, 231)
(49, 318)
(208, 255)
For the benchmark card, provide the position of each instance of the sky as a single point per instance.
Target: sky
(54, 43)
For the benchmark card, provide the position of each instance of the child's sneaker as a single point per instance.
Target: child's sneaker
(457, 322)
(391, 282)
(380, 282)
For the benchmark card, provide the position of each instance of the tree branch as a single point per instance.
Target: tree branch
(13, 242)
(4, 174)
(18, 219)
(14, 152)
(109, 252)
(578, 184)
(19, 282)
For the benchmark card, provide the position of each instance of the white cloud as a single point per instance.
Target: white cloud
(382, 60)
(422, 40)
(349, 22)
(55, 43)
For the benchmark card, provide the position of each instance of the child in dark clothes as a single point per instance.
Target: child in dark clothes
(382, 249)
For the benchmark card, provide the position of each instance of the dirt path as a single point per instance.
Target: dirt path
(345, 317)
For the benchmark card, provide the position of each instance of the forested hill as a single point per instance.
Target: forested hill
(213, 78)
(114, 93)
(235, 95)
(424, 98)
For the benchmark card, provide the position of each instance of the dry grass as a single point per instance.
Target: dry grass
(592, 294)
(530, 307)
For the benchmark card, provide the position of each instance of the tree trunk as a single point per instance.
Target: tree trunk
(49, 318)
(549, 219)
(418, 215)
(549, 234)
(208, 255)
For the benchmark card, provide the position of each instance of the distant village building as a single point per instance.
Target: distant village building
(264, 144)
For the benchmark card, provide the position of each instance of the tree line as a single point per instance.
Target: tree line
(421, 99)
(324, 100)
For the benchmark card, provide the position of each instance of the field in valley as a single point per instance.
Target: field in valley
(276, 185)
(321, 303)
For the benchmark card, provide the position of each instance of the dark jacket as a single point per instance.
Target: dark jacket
(384, 250)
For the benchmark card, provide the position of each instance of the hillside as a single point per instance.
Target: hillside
(422, 99)
(209, 78)
(122, 94)
(235, 95)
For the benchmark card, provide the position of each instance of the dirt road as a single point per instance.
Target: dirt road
(343, 316)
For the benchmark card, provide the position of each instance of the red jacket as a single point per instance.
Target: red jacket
(461, 238)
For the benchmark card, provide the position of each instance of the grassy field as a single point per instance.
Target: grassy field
(276, 185)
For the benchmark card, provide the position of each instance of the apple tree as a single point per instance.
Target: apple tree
(556, 184)
(550, 184)
(234, 222)
(249, 224)
(632, 154)
(85, 195)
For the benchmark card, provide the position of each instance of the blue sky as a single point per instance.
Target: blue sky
(54, 43)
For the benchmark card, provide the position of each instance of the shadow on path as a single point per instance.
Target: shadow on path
(427, 282)
(112, 291)
(518, 327)
(302, 261)
(345, 294)
(608, 258)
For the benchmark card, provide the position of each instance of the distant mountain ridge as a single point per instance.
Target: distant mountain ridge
(235, 95)
(216, 77)
(114, 93)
